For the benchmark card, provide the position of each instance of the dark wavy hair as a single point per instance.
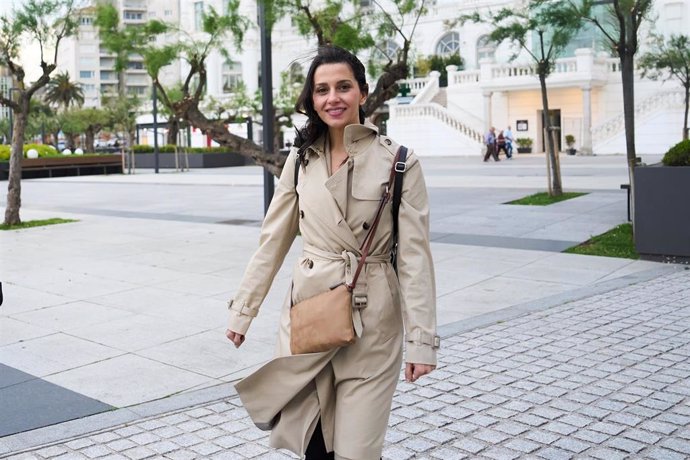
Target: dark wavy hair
(315, 127)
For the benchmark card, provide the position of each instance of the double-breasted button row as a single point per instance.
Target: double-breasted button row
(366, 226)
(309, 262)
(301, 214)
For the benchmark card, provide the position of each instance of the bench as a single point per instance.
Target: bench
(66, 166)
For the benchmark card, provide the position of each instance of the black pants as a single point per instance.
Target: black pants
(490, 152)
(316, 450)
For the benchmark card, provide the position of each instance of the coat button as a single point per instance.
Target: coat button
(388, 142)
(365, 226)
(310, 263)
(301, 214)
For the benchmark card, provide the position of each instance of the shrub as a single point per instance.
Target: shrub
(678, 155)
(524, 142)
(43, 150)
(569, 140)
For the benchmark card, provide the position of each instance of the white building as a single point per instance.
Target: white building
(90, 64)
(585, 93)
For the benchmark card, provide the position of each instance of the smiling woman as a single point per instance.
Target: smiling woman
(333, 191)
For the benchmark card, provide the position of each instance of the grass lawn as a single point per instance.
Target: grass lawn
(543, 198)
(617, 242)
(36, 223)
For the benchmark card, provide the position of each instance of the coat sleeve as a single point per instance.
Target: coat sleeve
(416, 269)
(277, 234)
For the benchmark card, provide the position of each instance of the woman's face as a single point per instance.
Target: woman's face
(337, 95)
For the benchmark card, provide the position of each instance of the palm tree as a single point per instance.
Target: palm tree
(63, 92)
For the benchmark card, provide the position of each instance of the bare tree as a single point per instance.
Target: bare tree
(46, 23)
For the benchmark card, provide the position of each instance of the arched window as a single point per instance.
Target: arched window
(449, 44)
(485, 48)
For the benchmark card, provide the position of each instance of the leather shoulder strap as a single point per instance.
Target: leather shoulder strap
(400, 166)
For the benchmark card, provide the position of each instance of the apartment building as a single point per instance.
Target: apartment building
(90, 64)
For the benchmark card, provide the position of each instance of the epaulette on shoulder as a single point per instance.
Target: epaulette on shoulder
(389, 144)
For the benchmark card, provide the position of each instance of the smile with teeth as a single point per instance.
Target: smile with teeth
(336, 112)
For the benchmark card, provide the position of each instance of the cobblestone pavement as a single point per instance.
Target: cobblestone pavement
(606, 377)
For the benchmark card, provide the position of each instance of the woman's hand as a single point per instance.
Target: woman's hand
(414, 371)
(234, 337)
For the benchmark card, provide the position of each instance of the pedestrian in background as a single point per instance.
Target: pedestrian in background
(490, 142)
(336, 404)
(508, 134)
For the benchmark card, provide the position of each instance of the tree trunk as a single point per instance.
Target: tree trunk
(685, 118)
(89, 136)
(219, 133)
(14, 182)
(556, 187)
(386, 87)
(628, 81)
(173, 130)
(69, 141)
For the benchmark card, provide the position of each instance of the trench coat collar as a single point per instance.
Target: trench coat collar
(351, 138)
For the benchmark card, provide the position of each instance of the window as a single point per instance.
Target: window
(673, 17)
(89, 88)
(85, 20)
(198, 15)
(136, 90)
(485, 48)
(448, 44)
(86, 73)
(136, 65)
(133, 15)
(168, 12)
(108, 75)
(232, 76)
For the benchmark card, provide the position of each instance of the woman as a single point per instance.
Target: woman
(336, 404)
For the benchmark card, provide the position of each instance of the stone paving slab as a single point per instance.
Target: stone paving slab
(605, 376)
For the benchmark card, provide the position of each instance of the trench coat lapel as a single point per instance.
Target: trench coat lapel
(327, 197)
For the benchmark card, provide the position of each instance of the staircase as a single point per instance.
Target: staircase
(441, 97)
(613, 127)
(427, 125)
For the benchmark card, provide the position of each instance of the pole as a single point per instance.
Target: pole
(155, 127)
(267, 96)
(250, 128)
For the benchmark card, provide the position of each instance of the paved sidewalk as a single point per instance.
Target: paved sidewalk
(122, 314)
(606, 376)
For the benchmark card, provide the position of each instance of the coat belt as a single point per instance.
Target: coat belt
(351, 261)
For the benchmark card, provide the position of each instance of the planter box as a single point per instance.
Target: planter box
(524, 150)
(662, 212)
(196, 160)
(69, 165)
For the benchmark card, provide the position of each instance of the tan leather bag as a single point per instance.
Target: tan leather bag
(324, 321)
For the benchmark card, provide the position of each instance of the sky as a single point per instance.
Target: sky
(30, 52)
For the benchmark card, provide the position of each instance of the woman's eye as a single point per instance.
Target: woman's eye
(344, 87)
(321, 90)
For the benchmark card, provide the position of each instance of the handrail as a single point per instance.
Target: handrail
(614, 125)
(433, 110)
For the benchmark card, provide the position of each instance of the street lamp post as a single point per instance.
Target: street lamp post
(267, 97)
(155, 127)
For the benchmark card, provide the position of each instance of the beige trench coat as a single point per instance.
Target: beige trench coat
(350, 389)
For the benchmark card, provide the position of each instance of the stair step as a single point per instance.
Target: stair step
(441, 97)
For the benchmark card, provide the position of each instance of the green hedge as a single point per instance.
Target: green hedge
(43, 151)
(171, 149)
(678, 155)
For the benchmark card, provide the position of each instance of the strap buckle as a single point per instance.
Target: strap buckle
(400, 166)
(359, 301)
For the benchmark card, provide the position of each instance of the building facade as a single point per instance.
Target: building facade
(491, 89)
